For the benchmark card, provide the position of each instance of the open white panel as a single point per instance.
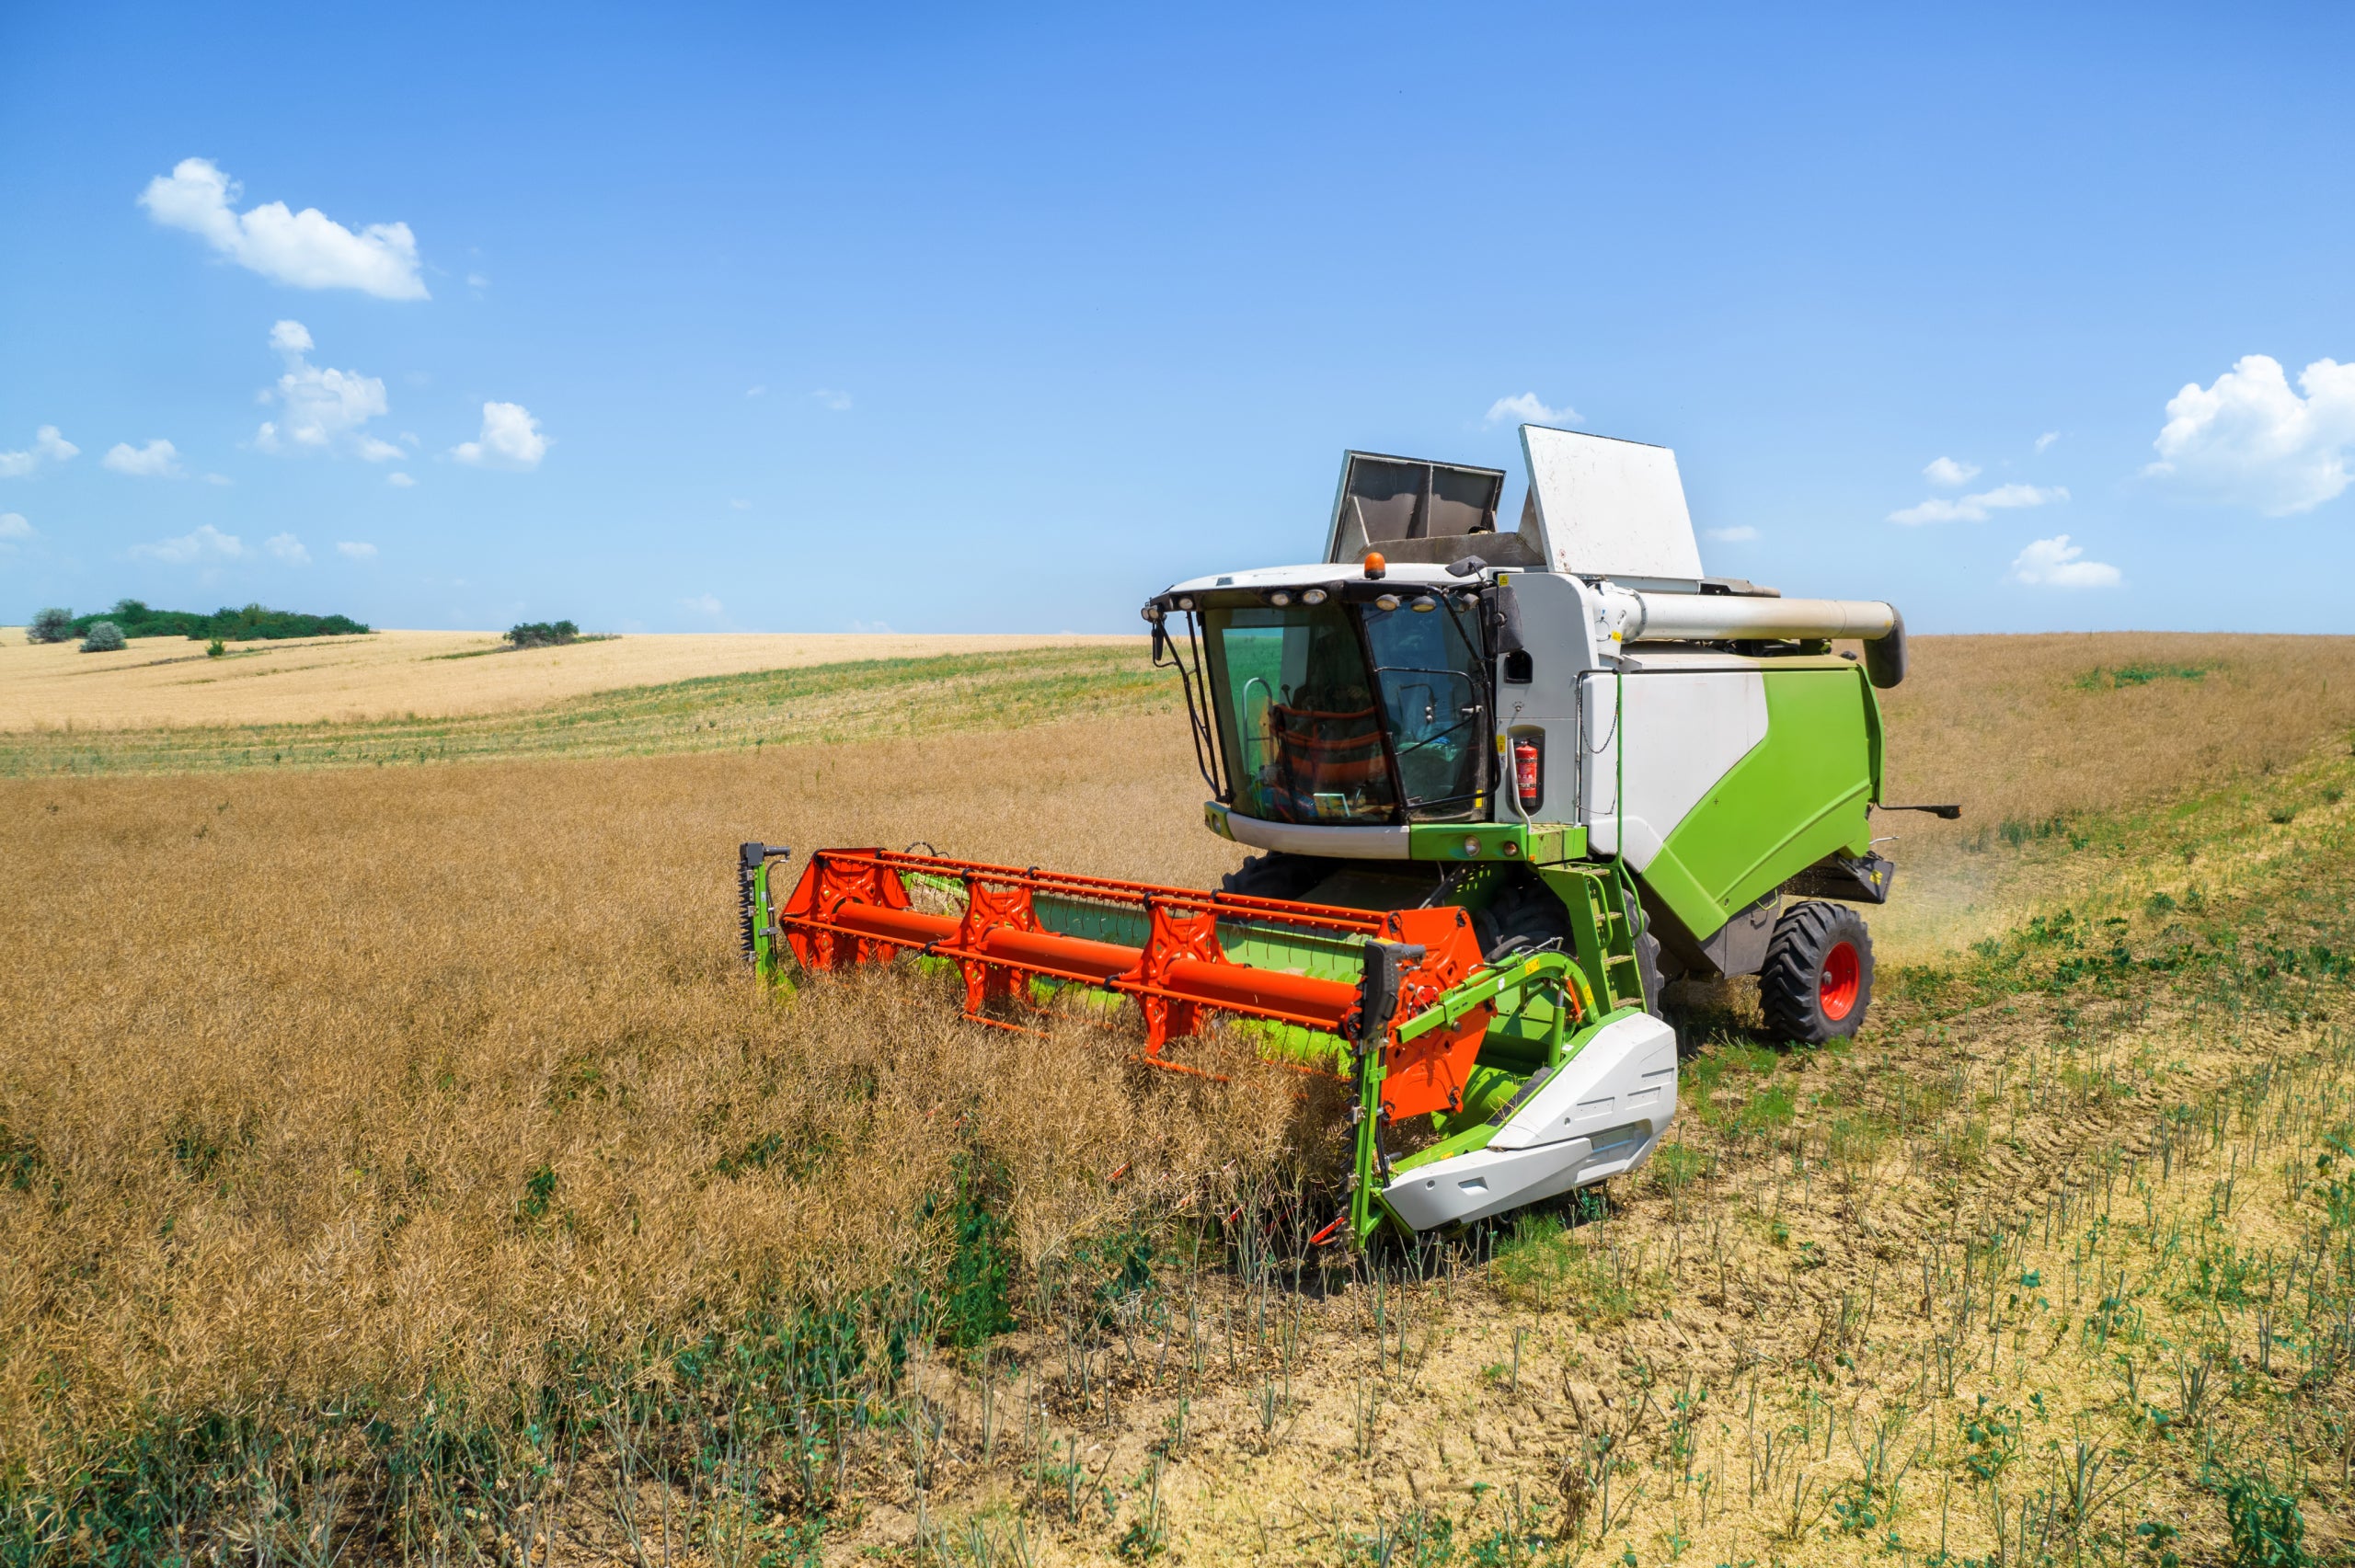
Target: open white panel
(1610, 508)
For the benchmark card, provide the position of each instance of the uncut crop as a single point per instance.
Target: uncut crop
(363, 1125)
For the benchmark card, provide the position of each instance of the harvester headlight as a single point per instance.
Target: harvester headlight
(1279, 598)
(1314, 596)
(1387, 602)
(1424, 605)
(1185, 604)
(1471, 845)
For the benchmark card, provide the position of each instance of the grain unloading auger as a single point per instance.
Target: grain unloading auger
(1506, 785)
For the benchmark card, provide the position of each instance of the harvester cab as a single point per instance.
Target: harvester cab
(1503, 787)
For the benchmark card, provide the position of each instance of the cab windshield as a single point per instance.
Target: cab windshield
(1333, 713)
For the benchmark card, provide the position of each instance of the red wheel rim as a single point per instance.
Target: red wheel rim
(1843, 977)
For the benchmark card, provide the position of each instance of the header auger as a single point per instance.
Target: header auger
(1500, 802)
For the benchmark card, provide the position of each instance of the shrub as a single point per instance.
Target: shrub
(543, 634)
(215, 649)
(104, 636)
(50, 626)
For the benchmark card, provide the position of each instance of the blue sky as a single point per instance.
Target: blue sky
(961, 320)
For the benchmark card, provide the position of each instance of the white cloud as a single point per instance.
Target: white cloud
(705, 604)
(1741, 533)
(477, 280)
(287, 548)
(1974, 508)
(741, 504)
(354, 549)
(14, 526)
(156, 460)
(400, 481)
(324, 408)
(307, 250)
(510, 438)
(2056, 563)
(1947, 472)
(829, 398)
(874, 628)
(1526, 409)
(2249, 440)
(207, 543)
(2046, 440)
(756, 392)
(47, 446)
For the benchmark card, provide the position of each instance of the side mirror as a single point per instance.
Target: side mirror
(1508, 620)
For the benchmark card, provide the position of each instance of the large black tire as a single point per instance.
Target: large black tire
(1818, 981)
(1276, 875)
(1528, 917)
(1523, 918)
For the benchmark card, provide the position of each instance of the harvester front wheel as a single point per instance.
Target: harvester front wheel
(1818, 975)
(1276, 875)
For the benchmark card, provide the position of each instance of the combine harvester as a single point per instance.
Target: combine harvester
(1504, 786)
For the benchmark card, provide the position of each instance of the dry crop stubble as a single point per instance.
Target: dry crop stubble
(2037, 735)
(170, 682)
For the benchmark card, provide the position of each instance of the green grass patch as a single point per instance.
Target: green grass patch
(2139, 673)
(1541, 1265)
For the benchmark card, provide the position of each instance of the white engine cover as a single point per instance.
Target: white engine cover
(1601, 1113)
(1683, 731)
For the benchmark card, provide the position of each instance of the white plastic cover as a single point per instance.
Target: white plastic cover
(1610, 508)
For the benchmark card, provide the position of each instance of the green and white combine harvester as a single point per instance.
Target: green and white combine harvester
(1503, 785)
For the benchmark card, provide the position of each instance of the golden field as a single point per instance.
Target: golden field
(397, 1165)
(169, 682)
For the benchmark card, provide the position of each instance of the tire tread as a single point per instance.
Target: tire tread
(1786, 983)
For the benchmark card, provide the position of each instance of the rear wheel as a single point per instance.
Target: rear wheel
(1818, 981)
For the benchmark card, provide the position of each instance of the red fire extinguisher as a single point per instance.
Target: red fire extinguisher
(1527, 776)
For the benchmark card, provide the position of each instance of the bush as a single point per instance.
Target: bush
(104, 636)
(50, 626)
(215, 649)
(543, 634)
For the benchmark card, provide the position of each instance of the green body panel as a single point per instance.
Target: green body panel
(1490, 1090)
(1540, 843)
(1598, 902)
(1798, 795)
(764, 953)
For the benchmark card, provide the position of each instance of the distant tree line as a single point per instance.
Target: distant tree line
(134, 619)
(543, 634)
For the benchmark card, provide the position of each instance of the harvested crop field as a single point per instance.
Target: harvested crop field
(164, 683)
(814, 704)
(396, 1161)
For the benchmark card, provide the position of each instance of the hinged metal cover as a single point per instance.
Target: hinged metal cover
(1414, 510)
(1606, 508)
